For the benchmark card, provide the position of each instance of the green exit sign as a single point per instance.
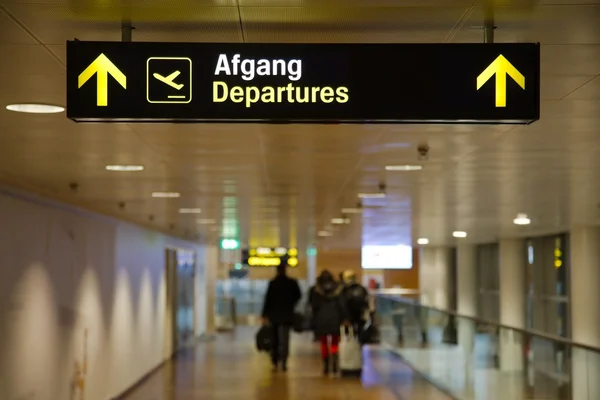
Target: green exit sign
(230, 244)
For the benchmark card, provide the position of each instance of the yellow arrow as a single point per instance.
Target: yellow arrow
(102, 67)
(500, 67)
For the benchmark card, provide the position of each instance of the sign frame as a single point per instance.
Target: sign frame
(399, 84)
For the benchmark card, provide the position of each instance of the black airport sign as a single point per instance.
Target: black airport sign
(303, 83)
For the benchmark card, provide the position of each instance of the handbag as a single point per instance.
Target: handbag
(350, 353)
(299, 324)
(264, 338)
(370, 335)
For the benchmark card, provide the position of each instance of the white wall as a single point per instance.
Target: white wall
(64, 271)
(434, 276)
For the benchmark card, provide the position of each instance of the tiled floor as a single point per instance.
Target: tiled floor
(230, 368)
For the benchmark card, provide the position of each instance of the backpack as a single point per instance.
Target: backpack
(356, 299)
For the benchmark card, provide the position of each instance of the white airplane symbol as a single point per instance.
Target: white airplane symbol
(169, 79)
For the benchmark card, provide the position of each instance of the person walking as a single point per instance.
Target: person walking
(283, 293)
(329, 315)
(356, 301)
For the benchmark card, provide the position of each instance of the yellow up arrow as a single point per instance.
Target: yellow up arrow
(500, 67)
(102, 67)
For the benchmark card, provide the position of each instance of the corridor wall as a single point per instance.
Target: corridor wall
(82, 301)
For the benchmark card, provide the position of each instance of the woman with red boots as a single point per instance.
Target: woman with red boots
(329, 315)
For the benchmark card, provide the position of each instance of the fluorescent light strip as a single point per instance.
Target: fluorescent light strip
(324, 233)
(371, 195)
(459, 234)
(340, 221)
(166, 194)
(125, 168)
(190, 210)
(423, 241)
(403, 167)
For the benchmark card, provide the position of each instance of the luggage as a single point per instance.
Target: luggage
(264, 338)
(350, 354)
(370, 335)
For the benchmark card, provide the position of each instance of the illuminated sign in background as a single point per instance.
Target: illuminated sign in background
(258, 82)
(270, 257)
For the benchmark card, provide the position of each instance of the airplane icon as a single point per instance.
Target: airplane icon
(169, 79)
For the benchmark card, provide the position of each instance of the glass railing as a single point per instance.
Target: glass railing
(473, 359)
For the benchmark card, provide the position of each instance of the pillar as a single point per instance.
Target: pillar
(434, 276)
(466, 265)
(584, 248)
(511, 266)
(211, 265)
(311, 266)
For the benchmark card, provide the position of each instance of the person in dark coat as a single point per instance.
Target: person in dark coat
(329, 316)
(356, 298)
(283, 293)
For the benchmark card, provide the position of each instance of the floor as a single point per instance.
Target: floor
(230, 368)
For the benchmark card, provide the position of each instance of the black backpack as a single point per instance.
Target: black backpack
(357, 299)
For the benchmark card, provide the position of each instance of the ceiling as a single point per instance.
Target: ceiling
(280, 184)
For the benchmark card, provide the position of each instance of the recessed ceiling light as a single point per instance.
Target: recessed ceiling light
(35, 108)
(423, 241)
(324, 233)
(459, 234)
(340, 221)
(403, 167)
(125, 168)
(371, 195)
(205, 221)
(351, 210)
(522, 219)
(190, 210)
(165, 194)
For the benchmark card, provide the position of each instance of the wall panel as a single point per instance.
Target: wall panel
(81, 296)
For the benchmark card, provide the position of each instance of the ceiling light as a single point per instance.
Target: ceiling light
(423, 241)
(35, 108)
(324, 233)
(190, 210)
(522, 219)
(371, 195)
(351, 210)
(403, 167)
(165, 194)
(205, 221)
(125, 168)
(459, 234)
(340, 221)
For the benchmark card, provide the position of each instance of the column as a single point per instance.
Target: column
(512, 258)
(434, 276)
(585, 317)
(466, 265)
(211, 265)
(311, 266)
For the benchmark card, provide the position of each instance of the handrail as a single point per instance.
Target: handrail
(529, 332)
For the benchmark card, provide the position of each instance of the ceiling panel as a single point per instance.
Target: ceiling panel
(288, 181)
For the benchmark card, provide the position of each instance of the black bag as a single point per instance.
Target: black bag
(370, 335)
(264, 338)
(299, 325)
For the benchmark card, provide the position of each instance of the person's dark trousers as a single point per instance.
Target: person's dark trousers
(280, 346)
